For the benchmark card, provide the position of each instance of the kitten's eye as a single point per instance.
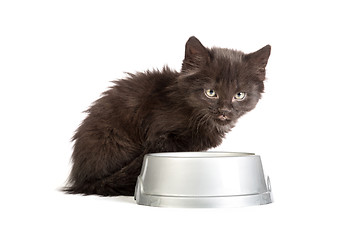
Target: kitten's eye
(210, 93)
(240, 96)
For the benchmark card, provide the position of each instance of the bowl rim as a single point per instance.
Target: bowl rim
(207, 154)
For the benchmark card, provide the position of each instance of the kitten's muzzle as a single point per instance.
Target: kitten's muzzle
(224, 114)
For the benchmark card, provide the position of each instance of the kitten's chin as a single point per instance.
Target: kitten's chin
(222, 122)
(223, 125)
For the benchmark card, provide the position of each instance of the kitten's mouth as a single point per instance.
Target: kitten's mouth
(223, 119)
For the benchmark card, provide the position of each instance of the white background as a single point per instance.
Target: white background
(56, 57)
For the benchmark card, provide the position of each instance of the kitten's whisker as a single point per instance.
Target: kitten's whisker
(197, 120)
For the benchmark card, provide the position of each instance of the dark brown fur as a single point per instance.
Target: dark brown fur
(162, 111)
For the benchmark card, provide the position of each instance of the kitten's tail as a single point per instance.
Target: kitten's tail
(105, 187)
(121, 182)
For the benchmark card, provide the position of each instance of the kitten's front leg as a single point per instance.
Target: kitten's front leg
(165, 144)
(170, 142)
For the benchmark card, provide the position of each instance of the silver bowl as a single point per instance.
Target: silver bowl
(202, 179)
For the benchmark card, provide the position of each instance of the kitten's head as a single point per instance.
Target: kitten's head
(222, 84)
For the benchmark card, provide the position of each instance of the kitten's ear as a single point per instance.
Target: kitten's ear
(195, 53)
(259, 60)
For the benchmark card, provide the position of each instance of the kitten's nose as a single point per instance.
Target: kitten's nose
(224, 111)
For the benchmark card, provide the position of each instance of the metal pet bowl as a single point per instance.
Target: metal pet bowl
(202, 179)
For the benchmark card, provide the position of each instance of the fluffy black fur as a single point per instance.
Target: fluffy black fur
(163, 111)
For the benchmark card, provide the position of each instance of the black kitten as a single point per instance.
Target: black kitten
(164, 111)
